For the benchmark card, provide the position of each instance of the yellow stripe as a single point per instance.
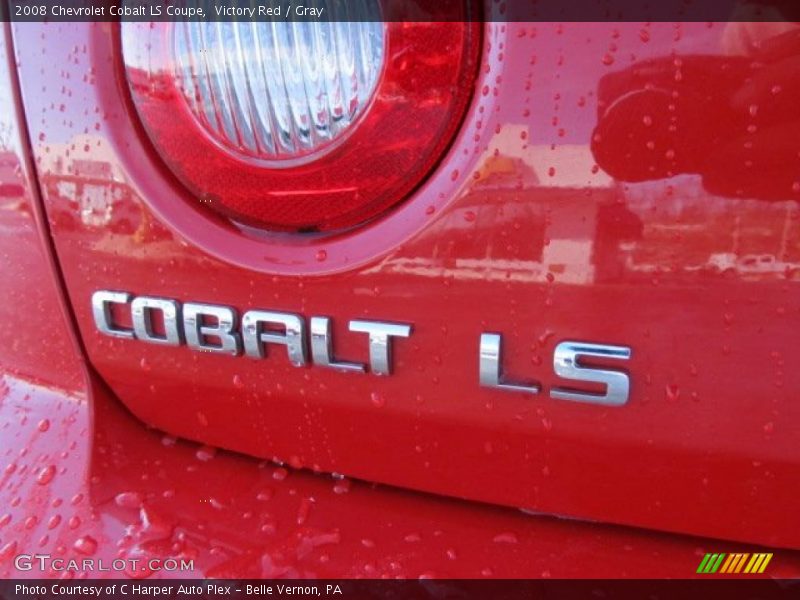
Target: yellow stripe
(727, 562)
(741, 562)
(752, 566)
(764, 564)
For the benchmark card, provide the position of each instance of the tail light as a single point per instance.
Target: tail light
(301, 126)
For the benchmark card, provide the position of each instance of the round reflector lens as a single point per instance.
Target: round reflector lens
(280, 93)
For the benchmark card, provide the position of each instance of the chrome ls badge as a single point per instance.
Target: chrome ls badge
(215, 328)
(567, 364)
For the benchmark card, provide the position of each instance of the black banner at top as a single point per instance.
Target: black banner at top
(399, 10)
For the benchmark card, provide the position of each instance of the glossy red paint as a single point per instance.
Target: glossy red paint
(522, 230)
(82, 479)
(120, 490)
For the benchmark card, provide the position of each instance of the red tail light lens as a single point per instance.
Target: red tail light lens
(301, 126)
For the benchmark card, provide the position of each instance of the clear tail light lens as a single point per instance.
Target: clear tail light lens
(278, 93)
(313, 126)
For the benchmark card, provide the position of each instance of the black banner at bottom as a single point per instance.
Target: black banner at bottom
(365, 589)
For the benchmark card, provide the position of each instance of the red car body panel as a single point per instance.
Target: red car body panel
(519, 231)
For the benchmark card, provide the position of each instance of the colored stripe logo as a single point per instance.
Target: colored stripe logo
(738, 562)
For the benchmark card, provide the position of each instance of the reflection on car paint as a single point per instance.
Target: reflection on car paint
(527, 227)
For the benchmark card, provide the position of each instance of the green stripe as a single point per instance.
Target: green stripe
(712, 561)
(703, 563)
(718, 563)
